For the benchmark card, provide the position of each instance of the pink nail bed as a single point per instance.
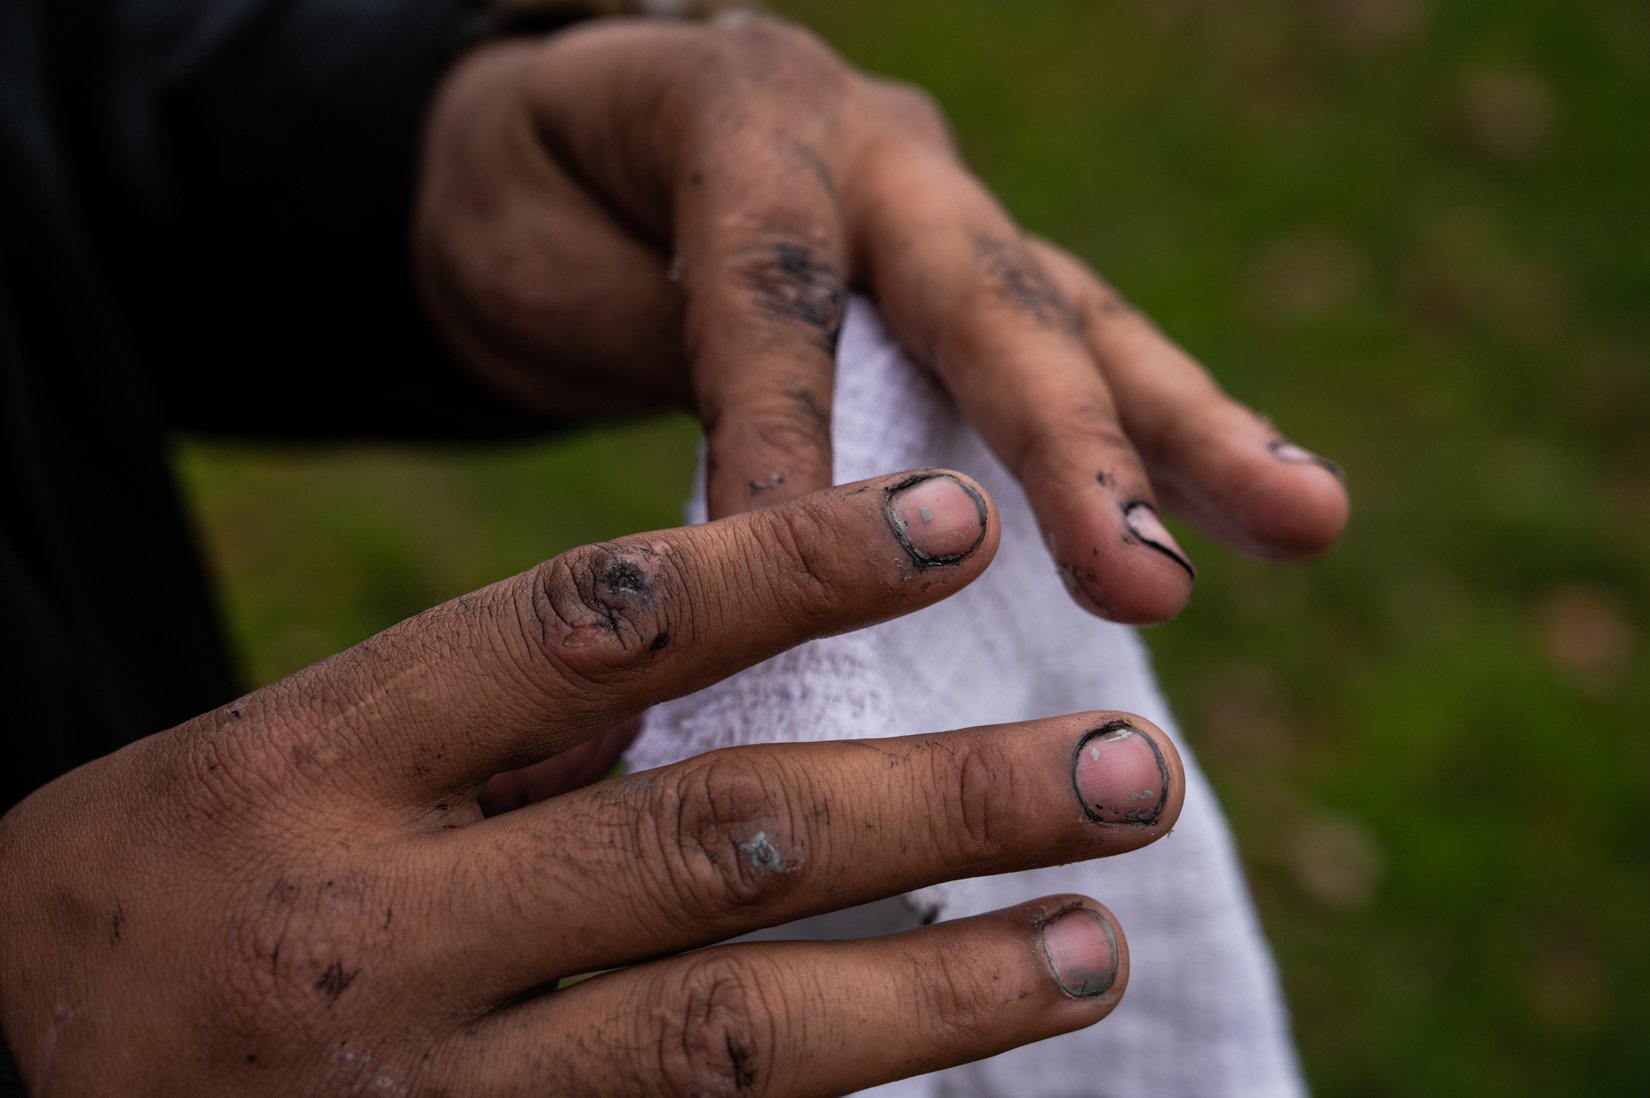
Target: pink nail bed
(937, 518)
(1082, 950)
(1120, 775)
(1148, 528)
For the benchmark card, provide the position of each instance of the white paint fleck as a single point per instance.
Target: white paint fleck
(927, 515)
(760, 853)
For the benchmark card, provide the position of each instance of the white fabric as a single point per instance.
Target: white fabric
(1202, 1015)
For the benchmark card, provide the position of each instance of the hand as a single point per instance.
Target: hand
(634, 212)
(299, 894)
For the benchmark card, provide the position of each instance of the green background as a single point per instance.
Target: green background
(1415, 234)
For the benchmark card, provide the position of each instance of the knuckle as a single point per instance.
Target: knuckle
(781, 48)
(1010, 275)
(970, 825)
(806, 574)
(912, 108)
(725, 838)
(721, 1039)
(599, 612)
(960, 997)
(790, 280)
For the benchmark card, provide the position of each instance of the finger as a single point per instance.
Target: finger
(735, 169)
(574, 768)
(1216, 461)
(760, 245)
(494, 248)
(759, 836)
(518, 671)
(810, 1018)
(967, 295)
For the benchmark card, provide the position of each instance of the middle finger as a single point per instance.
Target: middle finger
(967, 295)
(758, 836)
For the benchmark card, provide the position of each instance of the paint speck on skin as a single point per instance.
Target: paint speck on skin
(760, 854)
(927, 515)
(335, 979)
(625, 578)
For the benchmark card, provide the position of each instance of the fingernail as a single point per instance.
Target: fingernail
(937, 518)
(1082, 951)
(1120, 775)
(1284, 450)
(1144, 523)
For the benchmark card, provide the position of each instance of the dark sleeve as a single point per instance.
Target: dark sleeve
(10, 1085)
(249, 167)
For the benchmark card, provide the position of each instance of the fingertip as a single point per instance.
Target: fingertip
(1296, 508)
(940, 518)
(1086, 954)
(1126, 772)
(1119, 562)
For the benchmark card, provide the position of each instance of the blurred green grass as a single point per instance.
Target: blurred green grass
(1414, 233)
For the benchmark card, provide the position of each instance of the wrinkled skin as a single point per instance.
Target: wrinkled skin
(635, 213)
(299, 892)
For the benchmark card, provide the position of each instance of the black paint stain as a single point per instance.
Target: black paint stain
(1019, 280)
(335, 979)
(625, 578)
(757, 487)
(117, 922)
(794, 284)
(659, 642)
(739, 1057)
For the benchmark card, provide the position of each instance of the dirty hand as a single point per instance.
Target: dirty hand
(299, 894)
(633, 212)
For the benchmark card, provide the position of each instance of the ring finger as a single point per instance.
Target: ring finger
(804, 1018)
(966, 294)
(758, 836)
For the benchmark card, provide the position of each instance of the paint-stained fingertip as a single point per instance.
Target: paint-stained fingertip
(1085, 953)
(939, 518)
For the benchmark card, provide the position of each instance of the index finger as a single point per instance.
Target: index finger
(761, 251)
(518, 671)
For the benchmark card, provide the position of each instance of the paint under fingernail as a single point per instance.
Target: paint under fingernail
(1287, 451)
(1120, 775)
(1144, 524)
(1081, 947)
(936, 517)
